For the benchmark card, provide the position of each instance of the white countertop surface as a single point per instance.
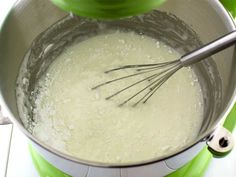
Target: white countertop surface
(15, 160)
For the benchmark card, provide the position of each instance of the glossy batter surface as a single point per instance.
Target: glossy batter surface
(79, 121)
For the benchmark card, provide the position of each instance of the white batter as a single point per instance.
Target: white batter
(79, 121)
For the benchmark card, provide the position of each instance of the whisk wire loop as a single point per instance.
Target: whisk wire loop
(162, 72)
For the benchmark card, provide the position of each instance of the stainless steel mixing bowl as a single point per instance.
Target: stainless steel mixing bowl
(28, 18)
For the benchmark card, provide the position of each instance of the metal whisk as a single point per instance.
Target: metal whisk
(159, 73)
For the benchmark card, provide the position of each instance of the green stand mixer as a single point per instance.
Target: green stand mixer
(29, 18)
(112, 9)
(107, 9)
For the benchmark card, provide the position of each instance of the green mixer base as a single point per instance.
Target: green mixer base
(43, 167)
(194, 168)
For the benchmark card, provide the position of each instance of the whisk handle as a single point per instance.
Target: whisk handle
(209, 49)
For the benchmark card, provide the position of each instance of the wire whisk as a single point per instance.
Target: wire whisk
(157, 74)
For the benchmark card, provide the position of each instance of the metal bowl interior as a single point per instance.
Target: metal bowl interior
(29, 18)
